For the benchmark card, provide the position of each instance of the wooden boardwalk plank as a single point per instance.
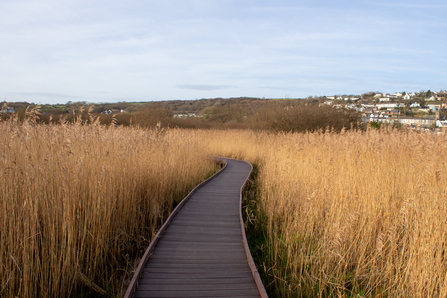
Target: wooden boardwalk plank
(198, 281)
(188, 287)
(199, 293)
(201, 253)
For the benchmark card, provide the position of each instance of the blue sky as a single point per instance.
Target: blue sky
(145, 50)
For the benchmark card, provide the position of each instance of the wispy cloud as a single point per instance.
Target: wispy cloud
(180, 49)
(204, 87)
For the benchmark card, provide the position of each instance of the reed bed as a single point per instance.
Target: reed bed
(348, 214)
(345, 214)
(79, 202)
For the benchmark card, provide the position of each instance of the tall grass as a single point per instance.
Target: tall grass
(355, 213)
(348, 214)
(78, 202)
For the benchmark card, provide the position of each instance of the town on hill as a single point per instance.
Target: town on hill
(426, 109)
(420, 109)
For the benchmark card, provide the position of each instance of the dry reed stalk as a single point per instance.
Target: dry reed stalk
(355, 213)
(77, 202)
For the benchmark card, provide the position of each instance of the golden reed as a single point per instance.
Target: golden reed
(355, 214)
(78, 201)
(346, 214)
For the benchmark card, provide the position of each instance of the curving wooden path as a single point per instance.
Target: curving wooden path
(202, 252)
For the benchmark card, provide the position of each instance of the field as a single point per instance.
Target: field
(352, 213)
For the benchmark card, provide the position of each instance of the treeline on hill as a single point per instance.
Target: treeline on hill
(234, 113)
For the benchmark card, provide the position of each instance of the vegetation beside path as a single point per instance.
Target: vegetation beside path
(356, 213)
(332, 212)
(79, 203)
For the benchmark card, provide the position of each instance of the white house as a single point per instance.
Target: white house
(434, 106)
(441, 123)
(8, 110)
(433, 98)
(406, 97)
(391, 105)
(416, 121)
(378, 118)
(382, 99)
(415, 105)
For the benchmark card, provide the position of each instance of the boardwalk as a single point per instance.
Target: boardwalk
(201, 253)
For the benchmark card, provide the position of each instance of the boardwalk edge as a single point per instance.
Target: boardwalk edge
(251, 262)
(134, 282)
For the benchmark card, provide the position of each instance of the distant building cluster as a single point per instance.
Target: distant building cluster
(412, 109)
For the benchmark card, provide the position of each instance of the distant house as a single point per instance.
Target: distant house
(441, 123)
(426, 122)
(369, 106)
(193, 115)
(378, 118)
(397, 94)
(8, 110)
(389, 112)
(424, 110)
(406, 97)
(351, 107)
(382, 99)
(434, 106)
(391, 105)
(394, 112)
(432, 98)
(385, 117)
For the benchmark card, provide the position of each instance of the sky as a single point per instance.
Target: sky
(149, 50)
